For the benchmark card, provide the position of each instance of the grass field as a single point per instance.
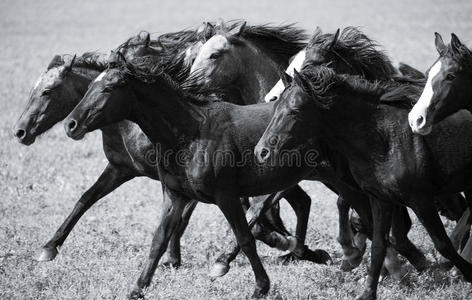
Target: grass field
(104, 254)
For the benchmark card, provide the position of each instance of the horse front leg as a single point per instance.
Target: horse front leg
(301, 203)
(170, 221)
(382, 219)
(110, 179)
(401, 225)
(258, 206)
(233, 211)
(172, 255)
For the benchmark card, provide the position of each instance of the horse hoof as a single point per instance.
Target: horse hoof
(352, 262)
(136, 294)
(260, 292)
(218, 270)
(292, 243)
(175, 264)
(346, 266)
(47, 254)
(366, 296)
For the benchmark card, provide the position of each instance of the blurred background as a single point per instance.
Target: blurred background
(104, 254)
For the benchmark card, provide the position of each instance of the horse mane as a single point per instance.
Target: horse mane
(357, 49)
(150, 69)
(281, 42)
(91, 60)
(322, 82)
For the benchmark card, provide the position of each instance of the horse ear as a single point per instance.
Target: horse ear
(238, 30)
(147, 39)
(335, 38)
(121, 57)
(298, 79)
(286, 79)
(455, 42)
(220, 24)
(205, 31)
(438, 41)
(55, 62)
(68, 65)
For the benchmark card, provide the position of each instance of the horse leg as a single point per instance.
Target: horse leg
(170, 221)
(401, 225)
(301, 202)
(382, 219)
(173, 257)
(258, 206)
(111, 178)
(360, 204)
(233, 211)
(428, 216)
(352, 256)
(459, 235)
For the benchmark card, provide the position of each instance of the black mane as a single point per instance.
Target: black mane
(282, 42)
(322, 82)
(150, 69)
(356, 48)
(91, 60)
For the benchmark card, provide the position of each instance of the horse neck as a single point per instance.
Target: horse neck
(82, 80)
(347, 125)
(260, 74)
(165, 115)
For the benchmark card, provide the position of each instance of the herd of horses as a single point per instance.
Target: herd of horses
(237, 115)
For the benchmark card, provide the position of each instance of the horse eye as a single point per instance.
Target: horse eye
(215, 55)
(47, 92)
(450, 77)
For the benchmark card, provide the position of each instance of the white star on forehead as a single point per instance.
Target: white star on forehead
(48, 78)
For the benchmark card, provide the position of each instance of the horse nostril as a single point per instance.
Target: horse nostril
(72, 125)
(265, 154)
(420, 121)
(20, 134)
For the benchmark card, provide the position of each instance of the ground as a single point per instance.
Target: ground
(105, 253)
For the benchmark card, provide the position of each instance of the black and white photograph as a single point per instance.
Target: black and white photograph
(179, 149)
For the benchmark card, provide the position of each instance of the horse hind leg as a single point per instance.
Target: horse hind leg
(429, 217)
(352, 254)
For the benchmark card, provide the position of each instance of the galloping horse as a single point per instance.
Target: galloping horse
(391, 164)
(126, 147)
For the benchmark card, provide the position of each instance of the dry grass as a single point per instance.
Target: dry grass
(104, 254)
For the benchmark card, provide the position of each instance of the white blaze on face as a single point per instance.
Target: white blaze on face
(418, 116)
(279, 87)
(215, 44)
(48, 79)
(100, 77)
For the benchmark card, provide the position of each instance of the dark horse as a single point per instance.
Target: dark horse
(448, 88)
(59, 90)
(244, 64)
(390, 164)
(351, 52)
(218, 140)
